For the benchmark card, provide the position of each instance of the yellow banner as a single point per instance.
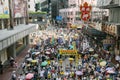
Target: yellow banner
(68, 52)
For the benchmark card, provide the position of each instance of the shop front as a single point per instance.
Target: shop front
(113, 30)
(109, 44)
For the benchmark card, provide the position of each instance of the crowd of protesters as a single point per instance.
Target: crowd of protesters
(89, 66)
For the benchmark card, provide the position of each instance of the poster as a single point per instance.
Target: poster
(19, 8)
(4, 8)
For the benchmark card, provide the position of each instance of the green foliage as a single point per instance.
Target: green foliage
(3, 16)
(37, 12)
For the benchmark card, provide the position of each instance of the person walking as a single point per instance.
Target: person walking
(1, 67)
(14, 77)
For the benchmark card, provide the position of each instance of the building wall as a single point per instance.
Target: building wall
(31, 5)
(3, 55)
(44, 5)
(114, 15)
(69, 14)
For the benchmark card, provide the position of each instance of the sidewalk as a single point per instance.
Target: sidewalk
(7, 72)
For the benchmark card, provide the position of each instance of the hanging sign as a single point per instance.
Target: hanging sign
(85, 10)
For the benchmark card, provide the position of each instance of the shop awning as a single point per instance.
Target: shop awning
(94, 32)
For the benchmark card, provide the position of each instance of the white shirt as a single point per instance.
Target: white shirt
(117, 58)
(58, 78)
(42, 73)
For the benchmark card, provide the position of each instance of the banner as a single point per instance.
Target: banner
(4, 8)
(68, 52)
(19, 8)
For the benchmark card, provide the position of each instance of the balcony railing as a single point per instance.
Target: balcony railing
(5, 23)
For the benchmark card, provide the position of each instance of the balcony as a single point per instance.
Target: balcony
(109, 4)
(111, 28)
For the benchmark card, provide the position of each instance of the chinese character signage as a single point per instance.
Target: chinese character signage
(19, 8)
(85, 10)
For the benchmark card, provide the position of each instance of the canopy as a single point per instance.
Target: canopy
(44, 63)
(29, 76)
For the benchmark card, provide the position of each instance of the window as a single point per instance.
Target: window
(19, 44)
(71, 13)
(28, 6)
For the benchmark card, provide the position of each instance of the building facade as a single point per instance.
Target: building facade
(110, 25)
(31, 5)
(13, 41)
(72, 13)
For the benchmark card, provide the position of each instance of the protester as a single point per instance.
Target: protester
(1, 67)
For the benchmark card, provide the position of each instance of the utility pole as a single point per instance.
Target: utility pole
(11, 13)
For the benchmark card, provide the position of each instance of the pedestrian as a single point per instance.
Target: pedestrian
(21, 77)
(1, 67)
(14, 77)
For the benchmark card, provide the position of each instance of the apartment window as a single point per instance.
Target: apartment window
(71, 13)
(28, 6)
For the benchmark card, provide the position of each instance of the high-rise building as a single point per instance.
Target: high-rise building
(46, 7)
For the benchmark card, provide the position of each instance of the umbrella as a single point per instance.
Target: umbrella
(103, 63)
(71, 46)
(95, 55)
(29, 59)
(29, 76)
(33, 52)
(34, 61)
(109, 68)
(79, 73)
(28, 65)
(47, 52)
(76, 35)
(91, 49)
(37, 53)
(111, 71)
(71, 59)
(44, 63)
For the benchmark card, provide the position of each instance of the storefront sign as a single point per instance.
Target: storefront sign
(68, 52)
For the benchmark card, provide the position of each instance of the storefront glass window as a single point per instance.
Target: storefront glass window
(19, 44)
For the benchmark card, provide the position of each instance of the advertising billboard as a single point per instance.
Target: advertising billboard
(19, 8)
(4, 8)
